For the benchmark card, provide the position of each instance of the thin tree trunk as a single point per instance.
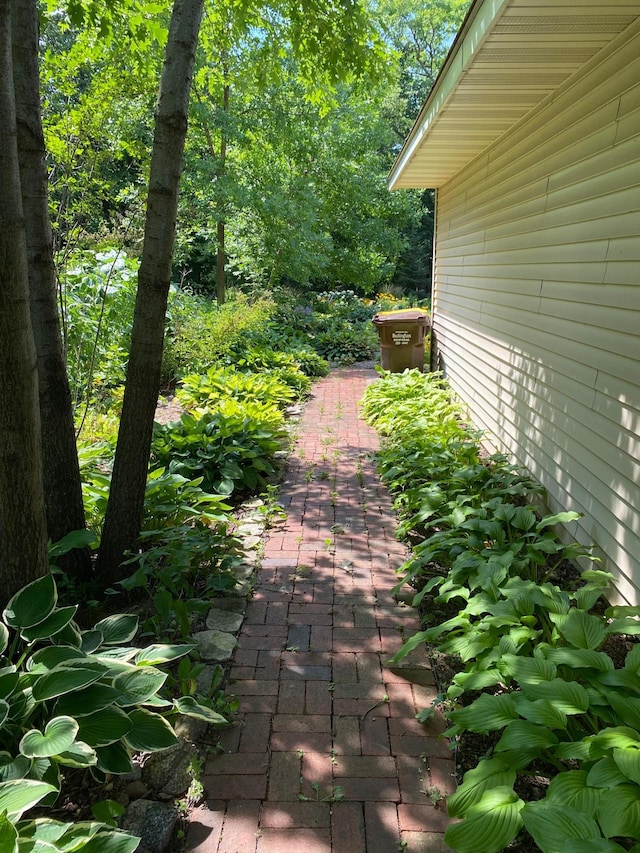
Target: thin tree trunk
(61, 471)
(23, 537)
(126, 499)
(221, 255)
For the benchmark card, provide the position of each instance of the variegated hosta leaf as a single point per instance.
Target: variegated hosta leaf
(117, 629)
(79, 754)
(489, 825)
(138, 684)
(65, 679)
(8, 835)
(114, 758)
(4, 637)
(52, 625)
(59, 734)
(18, 795)
(31, 604)
(551, 825)
(53, 656)
(490, 773)
(90, 699)
(163, 653)
(149, 731)
(104, 727)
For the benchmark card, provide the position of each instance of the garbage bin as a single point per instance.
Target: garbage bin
(402, 336)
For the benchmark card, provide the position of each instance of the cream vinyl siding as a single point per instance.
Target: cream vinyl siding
(537, 299)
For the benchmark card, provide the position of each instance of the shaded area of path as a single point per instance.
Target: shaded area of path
(327, 756)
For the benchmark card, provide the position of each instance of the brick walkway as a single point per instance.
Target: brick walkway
(327, 755)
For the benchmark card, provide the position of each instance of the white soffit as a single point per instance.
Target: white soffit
(508, 57)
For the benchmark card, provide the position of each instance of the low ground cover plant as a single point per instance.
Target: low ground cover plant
(540, 667)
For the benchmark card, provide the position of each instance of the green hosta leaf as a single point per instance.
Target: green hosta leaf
(114, 758)
(111, 842)
(489, 825)
(605, 774)
(52, 625)
(59, 734)
(578, 750)
(18, 795)
(632, 660)
(593, 845)
(486, 713)
(619, 737)
(551, 825)
(64, 679)
(628, 761)
(474, 681)
(572, 789)
(107, 810)
(104, 727)
(75, 539)
(628, 709)
(31, 604)
(567, 696)
(93, 698)
(627, 679)
(150, 731)
(154, 655)
(619, 812)
(8, 835)
(489, 774)
(580, 658)
(188, 705)
(117, 629)
(78, 755)
(138, 684)
(522, 735)
(542, 711)
(558, 518)
(528, 670)
(617, 611)
(580, 629)
(626, 625)
(523, 519)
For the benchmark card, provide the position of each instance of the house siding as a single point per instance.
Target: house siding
(537, 300)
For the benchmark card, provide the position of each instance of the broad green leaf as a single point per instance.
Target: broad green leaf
(64, 679)
(625, 625)
(580, 629)
(114, 758)
(489, 825)
(93, 698)
(627, 708)
(18, 795)
(592, 845)
(52, 625)
(619, 812)
(13, 767)
(187, 705)
(106, 810)
(149, 732)
(75, 539)
(572, 789)
(9, 677)
(117, 629)
(551, 825)
(4, 711)
(111, 842)
(138, 684)
(574, 750)
(618, 737)
(625, 678)
(490, 773)
(4, 637)
(69, 636)
(617, 611)
(59, 734)
(632, 660)
(542, 711)
(104, 727)
(567, 696)
(523, 519)
(31, 604)
(579, 658)
(52, 656)
(523, 735)
(91, 640)
(158, 654)
(558, 518)
(628, 761)
(605, 774)
(79, 754)
(528, 670)
(486, 713)
(8, 835)
(477, 680)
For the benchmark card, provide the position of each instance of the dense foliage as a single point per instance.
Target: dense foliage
(537, 667)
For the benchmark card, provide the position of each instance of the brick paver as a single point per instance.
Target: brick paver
(327, 754)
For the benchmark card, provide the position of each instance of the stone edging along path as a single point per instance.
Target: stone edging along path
(326, 754)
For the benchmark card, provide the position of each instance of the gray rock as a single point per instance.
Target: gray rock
(190, 728)
(215, 645)
(152, 822)
(232, 604)
(170, 770)
(224, 620)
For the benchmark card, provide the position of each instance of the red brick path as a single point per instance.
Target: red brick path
(327, 756)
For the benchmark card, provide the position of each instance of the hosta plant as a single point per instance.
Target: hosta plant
(77, 699)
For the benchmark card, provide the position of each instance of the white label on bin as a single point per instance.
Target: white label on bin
(401, 337)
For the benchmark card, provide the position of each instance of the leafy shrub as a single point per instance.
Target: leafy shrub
(75, 699)
(218, 384)
(343, 342)
(232, 449)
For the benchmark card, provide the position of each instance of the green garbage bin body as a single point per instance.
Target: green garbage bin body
(402, 335)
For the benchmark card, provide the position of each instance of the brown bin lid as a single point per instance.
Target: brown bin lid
(404, 315)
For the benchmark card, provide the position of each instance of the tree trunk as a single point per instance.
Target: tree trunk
(126, 499)
(221, 255)
(61, 472)
(23, 536)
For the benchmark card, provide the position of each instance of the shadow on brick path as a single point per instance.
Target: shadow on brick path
(327, 754)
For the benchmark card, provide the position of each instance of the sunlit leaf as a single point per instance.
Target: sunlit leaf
(489, 825)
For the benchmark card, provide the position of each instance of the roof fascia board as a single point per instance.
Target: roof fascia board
(479, 20)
